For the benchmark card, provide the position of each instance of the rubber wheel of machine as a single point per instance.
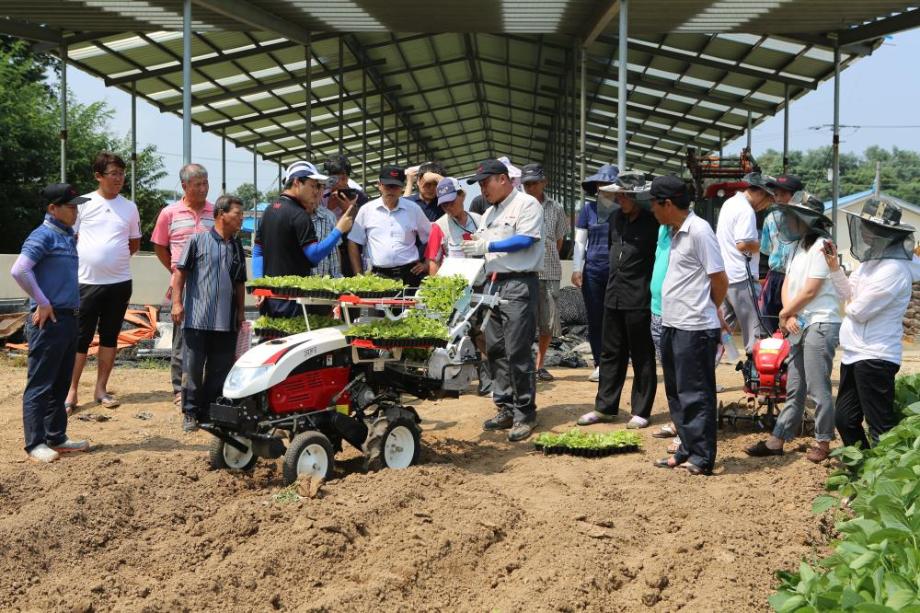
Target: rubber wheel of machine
(393, 443)
(223, 456)
(309, 453)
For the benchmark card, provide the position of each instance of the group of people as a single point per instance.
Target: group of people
(659, 285)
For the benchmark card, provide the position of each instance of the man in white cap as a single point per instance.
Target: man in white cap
(285, 242)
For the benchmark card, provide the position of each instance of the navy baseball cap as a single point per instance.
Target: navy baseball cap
(393, 175)
(669, 187)
(789, 183)
(486, 169)
(62, 193)
(448, 188)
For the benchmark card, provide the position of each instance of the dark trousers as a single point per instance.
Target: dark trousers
(771, 299)
(593, 288)
(276, 307)
(866, 390)
(175, 361)
(627, 334)
(688, 360)
(509, 336)
(400, 273)
(52, 350)
(207, 360)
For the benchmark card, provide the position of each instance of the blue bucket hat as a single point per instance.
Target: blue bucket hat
(607, 173)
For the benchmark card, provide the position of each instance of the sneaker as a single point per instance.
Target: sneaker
(544, 375)
(596, 375)
(636, 422)
(189, 423)
(71, 445)
(43, 453)
(502, 421)
(521, 431)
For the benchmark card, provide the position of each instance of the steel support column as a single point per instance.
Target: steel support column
(223, 162)
(786, 130)
(308, 93)
(750, 124)
(835, 177)
(134, 141)
(363, 129)
(63, 113)
(186, 82)
(622, 60)
(341, 89)
(582, 112)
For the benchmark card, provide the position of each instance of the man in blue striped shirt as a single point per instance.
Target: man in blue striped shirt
(207, 300)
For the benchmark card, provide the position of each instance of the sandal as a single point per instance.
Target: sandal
(665, 462)
(665, 432)
(694, 470)
(594, 417)
(108, 401)
(70, 407)
(675, 445)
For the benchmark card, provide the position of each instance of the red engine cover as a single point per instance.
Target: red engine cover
(309, 391)
(770, 356)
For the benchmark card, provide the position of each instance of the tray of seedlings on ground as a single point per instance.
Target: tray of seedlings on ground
(440, 294)
(328, 288)
(588, 444)
(268, 328)
(414, 330)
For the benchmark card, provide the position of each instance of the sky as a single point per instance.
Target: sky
(880, 90)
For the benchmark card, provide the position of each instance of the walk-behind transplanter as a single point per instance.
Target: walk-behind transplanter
(302, 395)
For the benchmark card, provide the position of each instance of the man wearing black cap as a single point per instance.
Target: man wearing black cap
(285, 242)
(693, 289)
(739, 241)
(511, 239)
(555, 227)
(776, 250)
(46, 270)
(390, 227)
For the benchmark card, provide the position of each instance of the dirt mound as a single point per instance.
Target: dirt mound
(143, 523)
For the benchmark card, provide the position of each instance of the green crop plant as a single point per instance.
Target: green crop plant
(440, 294)
(579, 439)
(294, 325)
(413, 326)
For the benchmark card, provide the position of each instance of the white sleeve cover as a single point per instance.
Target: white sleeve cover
(581, 246)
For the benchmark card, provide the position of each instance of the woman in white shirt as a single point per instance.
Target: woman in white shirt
(877, 296)
(811, 318)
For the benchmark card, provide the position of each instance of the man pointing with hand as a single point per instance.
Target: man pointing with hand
(510, 237)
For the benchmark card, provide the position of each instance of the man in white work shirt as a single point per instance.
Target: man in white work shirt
(739, 242)
(511, 239)
(108, 232)
(390, 227)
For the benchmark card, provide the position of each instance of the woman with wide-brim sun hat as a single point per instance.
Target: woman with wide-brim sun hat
(877, 295)
(811, 318)
(590, 266)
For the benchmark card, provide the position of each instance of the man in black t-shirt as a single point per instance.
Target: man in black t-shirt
(286, 241)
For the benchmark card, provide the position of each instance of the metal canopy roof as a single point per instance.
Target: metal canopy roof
(466, 94)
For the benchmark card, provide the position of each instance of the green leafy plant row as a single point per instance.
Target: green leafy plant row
(294, 325)
(340, 285)
(579, 439)
(440, 294)
(875, 565)
(906, 392)
(413, 326)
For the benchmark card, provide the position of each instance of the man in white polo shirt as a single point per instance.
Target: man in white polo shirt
(390, 227)
(108, 232)
(693, 289)
(510, 237)
(739, 242)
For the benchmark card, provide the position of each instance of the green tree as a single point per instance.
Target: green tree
(248, 193)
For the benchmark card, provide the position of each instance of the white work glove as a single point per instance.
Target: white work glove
(476, 247)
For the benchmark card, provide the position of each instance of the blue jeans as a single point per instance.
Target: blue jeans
(811, 361)
(52, 350)
(688, 360)
(593, 288)
(207, 360)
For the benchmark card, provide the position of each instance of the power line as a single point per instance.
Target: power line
(866, 127)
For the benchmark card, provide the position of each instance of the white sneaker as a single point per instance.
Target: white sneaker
(44, 453)
(596, 375)
(71, 445)
(637, 422)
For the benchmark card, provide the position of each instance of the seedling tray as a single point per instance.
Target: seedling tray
(585, 452)
(392, 343)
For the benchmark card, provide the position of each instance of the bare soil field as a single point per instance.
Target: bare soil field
(143, 524)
